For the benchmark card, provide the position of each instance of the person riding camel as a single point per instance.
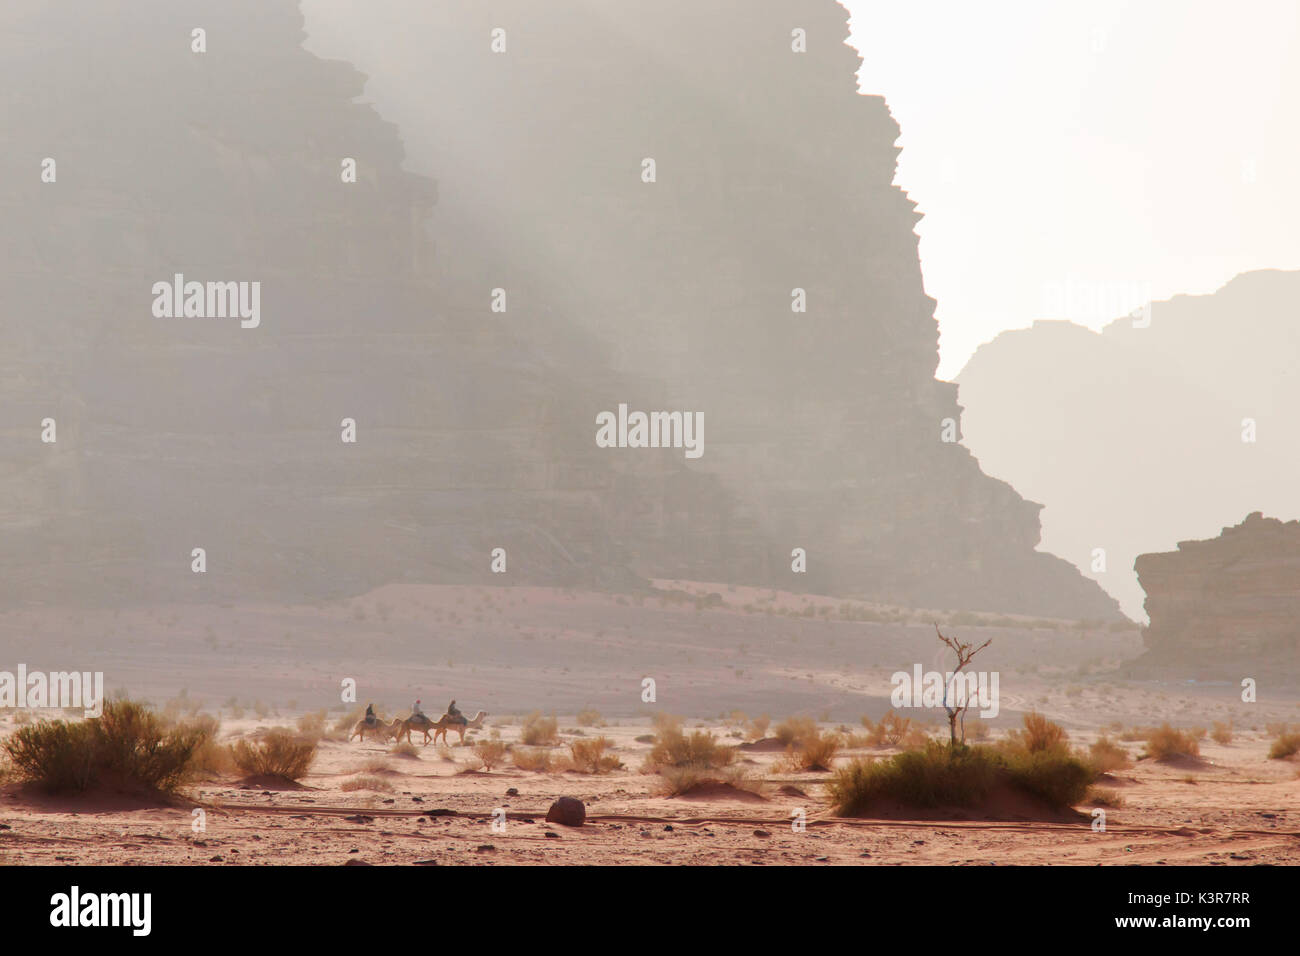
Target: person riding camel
(371, 719)
(456, 716)
(418, 716)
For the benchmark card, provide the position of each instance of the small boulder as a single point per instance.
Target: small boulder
(567, 811)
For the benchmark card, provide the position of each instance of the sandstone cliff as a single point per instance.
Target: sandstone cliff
(1137, 437)
(1227, 607)
(475, 428)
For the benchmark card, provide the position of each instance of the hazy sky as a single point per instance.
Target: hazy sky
(1072, 157)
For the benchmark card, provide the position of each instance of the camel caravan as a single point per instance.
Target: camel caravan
(453, 719)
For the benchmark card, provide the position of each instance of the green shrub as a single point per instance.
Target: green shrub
(939, 776)
(128, 746)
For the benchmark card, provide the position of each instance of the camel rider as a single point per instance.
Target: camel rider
(456, 716)
(371, 719)
(417, 713)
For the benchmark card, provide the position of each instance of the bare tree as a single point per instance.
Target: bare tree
(965, 653)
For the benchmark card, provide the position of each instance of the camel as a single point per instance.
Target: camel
(423, 723)
(428, 726)
(445, 722)
(378, 727)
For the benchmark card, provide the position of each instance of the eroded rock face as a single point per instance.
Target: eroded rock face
(1223, 606)
(476, 429)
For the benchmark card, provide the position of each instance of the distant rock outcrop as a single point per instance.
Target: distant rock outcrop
(1228, 606)
(1138, 437)
(476, 429)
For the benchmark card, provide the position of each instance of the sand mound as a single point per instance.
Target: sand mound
(764, 746)
(1003, 804)
(719, 790)
(104, 798)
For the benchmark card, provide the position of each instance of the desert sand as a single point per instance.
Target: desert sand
(509, 651)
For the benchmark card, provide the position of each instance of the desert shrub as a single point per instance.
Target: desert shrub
(813, 753)
(1284, 746)
(1055, 775)
(663, 721)
(675, 749)
(539, 731)
(938, 775)
(536, 759)
(893, 728)
(1166, 742)
(589, 756)
(491, 752)
(1039, 735)
(405, 749)
(366, 782)
(792, 730)
(682, 781)
(127, 746)
(1104, 797)
(977, 730)
(932, 777)
(211, 758)
(1221, 733)
(312, 725)
(349, 720)
(1106, 755)
(277, 754)
(589, 717)
(756, 729)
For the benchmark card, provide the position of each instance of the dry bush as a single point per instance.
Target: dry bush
(1285, 746)
(894, 728)
(589, 756)
(539, 731)
(683, 781)
(1039, 735)
(1135, 734)
(1166, 743)
(536, 759)
(664, 721)
(1276, 730)
(756, 729)
(1106, 755)
(491, 752)
(977, 730)
(277, 754)
(815, 753)
(313, 725)
(1105, 797)
(1221, 732)
(349, 720)
(675, 749)
(211, 759)
(366, 782)
(793, 730)
(404, 749)
(128, 746)
(589, 717)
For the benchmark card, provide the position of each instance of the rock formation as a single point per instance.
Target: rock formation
(476, 429)
(1226, 607)
(1137, 437)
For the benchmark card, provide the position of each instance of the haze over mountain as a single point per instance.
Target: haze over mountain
(1137, 438)
(520, 171)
